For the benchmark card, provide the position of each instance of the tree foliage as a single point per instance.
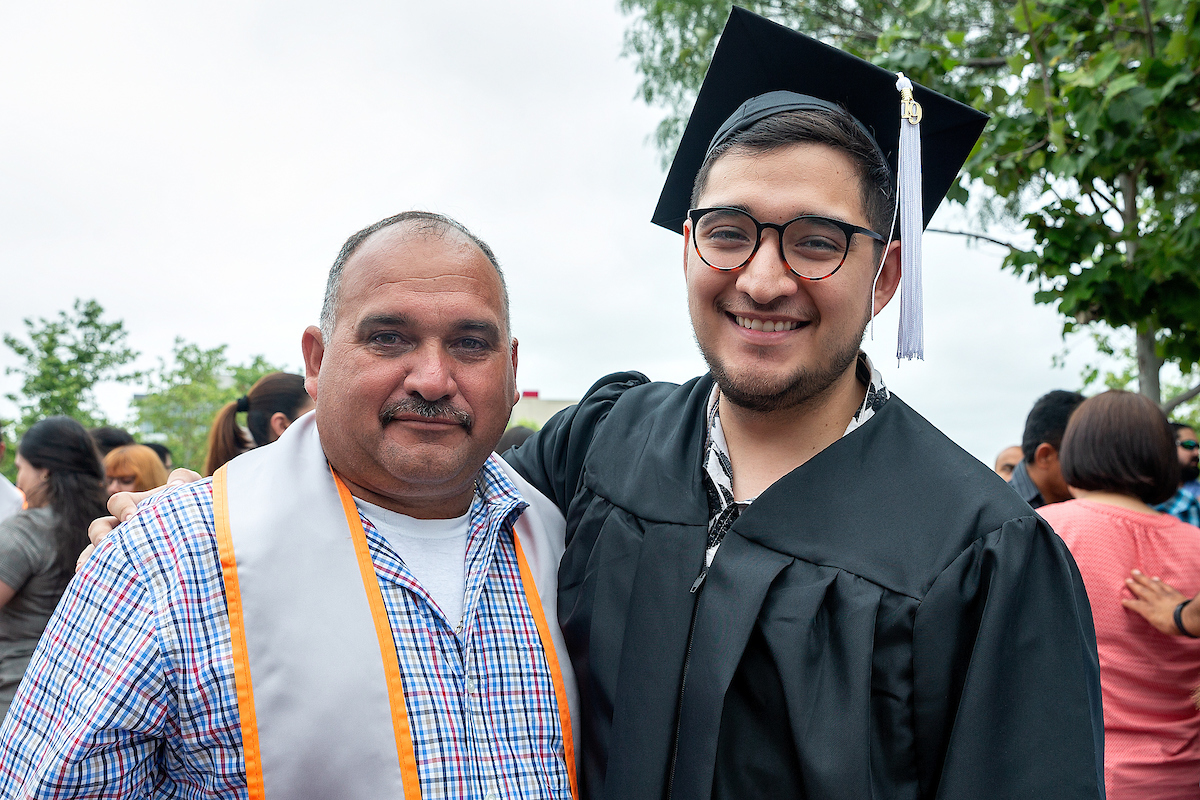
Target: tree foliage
(8, 464)
(1094, 138)
(185, 395)
(64, 360)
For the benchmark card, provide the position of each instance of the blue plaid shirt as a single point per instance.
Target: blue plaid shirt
(131, 692)
(1184, 506)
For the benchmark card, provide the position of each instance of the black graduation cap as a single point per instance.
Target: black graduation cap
(756, 56)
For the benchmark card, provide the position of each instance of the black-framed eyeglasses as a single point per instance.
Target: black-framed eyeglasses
(1188, 444)
(813, 247)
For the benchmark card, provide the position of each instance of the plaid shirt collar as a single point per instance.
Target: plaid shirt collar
(495, 490)
(1183, 506)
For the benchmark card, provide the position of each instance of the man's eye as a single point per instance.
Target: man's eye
(727, 236)
(385, 338)
(473, 344)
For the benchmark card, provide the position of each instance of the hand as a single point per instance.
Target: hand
(85, 555)
(123, 505)
(1156, 601)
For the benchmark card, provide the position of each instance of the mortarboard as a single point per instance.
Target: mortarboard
(757, 57)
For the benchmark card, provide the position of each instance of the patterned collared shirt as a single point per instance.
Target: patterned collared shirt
(1023, 485)
(131, 692)
(723, 509)
(1183, 506)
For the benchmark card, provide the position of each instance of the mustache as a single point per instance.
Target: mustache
(429, 409)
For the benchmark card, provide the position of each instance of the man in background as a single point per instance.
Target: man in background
(108, 438)
(1007, 461)
(1185, 505)
(1038, 476)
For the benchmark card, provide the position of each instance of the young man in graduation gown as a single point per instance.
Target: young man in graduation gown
(362, 609)
(779, 580)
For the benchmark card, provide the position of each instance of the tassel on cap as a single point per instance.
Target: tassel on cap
(910, 342)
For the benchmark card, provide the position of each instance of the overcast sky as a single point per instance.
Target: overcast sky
(196, 166)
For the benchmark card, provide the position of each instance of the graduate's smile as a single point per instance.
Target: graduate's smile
(766, 325)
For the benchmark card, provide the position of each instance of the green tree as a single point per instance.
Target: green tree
(185, 394)
(64, 360)
(8, 464)
(1094, 141)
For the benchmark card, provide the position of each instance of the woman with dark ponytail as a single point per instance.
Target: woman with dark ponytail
(271, 405)
(59, 470)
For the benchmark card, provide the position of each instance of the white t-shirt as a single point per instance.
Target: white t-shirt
(11, 499)
(434, 550)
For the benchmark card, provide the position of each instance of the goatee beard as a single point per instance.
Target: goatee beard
(1190, 473)
(798, 388)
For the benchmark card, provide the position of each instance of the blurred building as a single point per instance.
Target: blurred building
(533, 409)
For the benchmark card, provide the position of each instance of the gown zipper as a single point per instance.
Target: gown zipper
(696, 589)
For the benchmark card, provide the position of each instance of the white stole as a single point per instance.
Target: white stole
(319, 718)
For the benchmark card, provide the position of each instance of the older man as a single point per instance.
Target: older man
(779, 580)
(354, 611)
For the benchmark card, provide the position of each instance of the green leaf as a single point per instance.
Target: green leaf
(1176, 49)
(1121, 84)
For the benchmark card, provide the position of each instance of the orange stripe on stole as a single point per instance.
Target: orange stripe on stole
(237, 637)
(387, 645)
(560, 689)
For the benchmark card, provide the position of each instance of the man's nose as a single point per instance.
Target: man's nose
(431, 373)
(767, 276)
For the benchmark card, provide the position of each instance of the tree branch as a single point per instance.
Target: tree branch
(1180, 399)
(985, 62)
(1149, 27)
(1033, 148)
(1112, 201)
(973, 236)
(1076, 11)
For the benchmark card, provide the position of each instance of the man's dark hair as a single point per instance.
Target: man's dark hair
(1048, 421)
(1176, 427)
(1120, 442)
(422, 223)
(109, 438)
(817, 126)
(162, 451)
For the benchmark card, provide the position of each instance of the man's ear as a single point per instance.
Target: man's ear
(889, 277)
(1046, 456)
(312, 344)
(516, 391)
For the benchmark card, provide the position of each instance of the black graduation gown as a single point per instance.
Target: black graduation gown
(889, 620)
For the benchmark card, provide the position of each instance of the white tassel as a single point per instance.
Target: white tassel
(911, 340)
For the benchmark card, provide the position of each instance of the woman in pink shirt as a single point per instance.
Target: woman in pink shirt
(1118, 457)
